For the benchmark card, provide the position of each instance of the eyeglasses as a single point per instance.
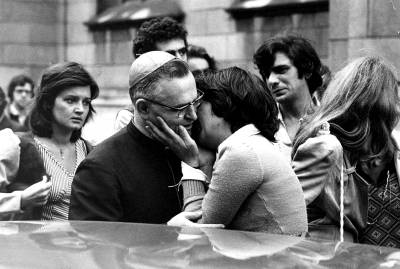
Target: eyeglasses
(181, 110)
(180, 52)
(21, 91)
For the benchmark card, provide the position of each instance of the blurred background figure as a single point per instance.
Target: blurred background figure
(124, 116)
(164, 34)
(199, 60)
(31, 197)
(55, 147)
(5, 121)
(20, 94)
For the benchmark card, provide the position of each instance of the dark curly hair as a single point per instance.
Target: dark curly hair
(298, 50)
(240, 98)
(54, 80)
(157, 30)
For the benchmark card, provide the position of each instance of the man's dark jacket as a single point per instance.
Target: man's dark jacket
(128, 177)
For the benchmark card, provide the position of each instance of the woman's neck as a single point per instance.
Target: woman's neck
(61, 137)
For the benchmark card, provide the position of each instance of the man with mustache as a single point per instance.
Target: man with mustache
(132, 177)
(291, 68)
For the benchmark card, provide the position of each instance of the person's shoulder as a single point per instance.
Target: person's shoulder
(9, 140)
(325, 141)
(111, 146)
(322, 145)
(245, 149)
(6, 122)
(124, 116)
(26, 140)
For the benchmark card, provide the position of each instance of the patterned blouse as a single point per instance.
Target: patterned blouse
(57, 206)
(383, 226)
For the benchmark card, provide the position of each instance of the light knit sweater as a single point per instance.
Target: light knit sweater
(253, 187)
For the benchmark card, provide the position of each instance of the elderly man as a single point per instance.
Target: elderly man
(132, 177)
(291, 68)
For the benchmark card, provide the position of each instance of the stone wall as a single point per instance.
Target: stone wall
(30, 37)
(36, 33)
(364, 27)
(107, 53)
(233, 41)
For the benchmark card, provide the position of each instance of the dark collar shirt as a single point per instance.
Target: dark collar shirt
(128, 177)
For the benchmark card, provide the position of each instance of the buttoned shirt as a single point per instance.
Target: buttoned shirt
(282, 136)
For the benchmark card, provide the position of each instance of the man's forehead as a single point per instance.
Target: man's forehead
(167, 87)
(24, 86)
(281, 58)
(188, 78)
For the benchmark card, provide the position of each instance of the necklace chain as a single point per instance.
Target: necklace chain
(61, 154)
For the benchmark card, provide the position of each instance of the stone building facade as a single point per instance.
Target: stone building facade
(36, 33)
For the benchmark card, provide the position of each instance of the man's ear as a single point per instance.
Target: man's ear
(142, 106)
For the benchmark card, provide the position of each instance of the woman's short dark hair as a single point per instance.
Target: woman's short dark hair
(240, 98)
(19, 80)
(54, 80)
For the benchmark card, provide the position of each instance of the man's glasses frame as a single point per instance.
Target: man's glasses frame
(21, 91)
(180, 109)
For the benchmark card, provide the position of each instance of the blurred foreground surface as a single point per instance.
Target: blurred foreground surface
(129, 245)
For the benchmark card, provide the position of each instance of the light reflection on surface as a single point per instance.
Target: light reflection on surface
(124, 245)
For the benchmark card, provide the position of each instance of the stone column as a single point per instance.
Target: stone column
(364, 27)
(28, 37)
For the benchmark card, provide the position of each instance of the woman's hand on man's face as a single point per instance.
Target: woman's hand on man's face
(179, 142)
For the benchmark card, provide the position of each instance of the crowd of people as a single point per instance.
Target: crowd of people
(293, 150)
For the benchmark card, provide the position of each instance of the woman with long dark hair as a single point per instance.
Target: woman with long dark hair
(54, 147)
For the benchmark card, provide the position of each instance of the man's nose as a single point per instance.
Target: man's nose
(273, 80)
(191, 113)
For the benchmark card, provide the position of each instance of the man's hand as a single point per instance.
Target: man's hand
(180, 143)
(36, 194)
(187, 219)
